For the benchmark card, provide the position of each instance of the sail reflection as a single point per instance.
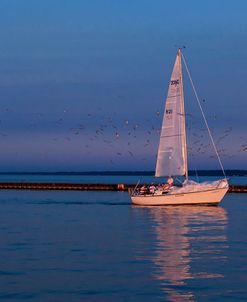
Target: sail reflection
(186, 236)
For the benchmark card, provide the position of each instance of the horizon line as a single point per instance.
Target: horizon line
(201, 172)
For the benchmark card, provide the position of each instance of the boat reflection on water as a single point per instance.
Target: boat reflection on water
(185, 236)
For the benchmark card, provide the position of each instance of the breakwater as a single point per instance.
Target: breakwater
(86, 187)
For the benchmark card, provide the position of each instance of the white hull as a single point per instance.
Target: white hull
(209, 197)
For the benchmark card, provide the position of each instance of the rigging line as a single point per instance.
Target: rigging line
(133, 192)
(205, 120)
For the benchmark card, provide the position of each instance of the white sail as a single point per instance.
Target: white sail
(172, 154)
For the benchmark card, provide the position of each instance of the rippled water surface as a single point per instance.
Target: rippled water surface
(94, 246)
(127, 179)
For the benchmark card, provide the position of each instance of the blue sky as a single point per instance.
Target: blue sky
(83, 83)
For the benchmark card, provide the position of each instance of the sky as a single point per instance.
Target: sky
(83, 83)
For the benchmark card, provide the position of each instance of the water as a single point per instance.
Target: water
(94, 246)
(127, 179)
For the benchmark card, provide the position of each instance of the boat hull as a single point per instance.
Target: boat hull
(208, 197)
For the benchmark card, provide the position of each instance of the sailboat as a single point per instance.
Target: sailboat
(172, 154)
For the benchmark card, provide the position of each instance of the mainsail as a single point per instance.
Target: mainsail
(172, 153)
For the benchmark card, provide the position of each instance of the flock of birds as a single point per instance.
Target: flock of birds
(123, 137)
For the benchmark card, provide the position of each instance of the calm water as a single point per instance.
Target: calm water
(127, 179)
(94, 246)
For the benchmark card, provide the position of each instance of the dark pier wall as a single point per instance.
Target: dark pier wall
(84, 187)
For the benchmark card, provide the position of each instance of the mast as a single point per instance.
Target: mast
(184, 147)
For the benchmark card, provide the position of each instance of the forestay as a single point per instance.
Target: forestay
(172, 154)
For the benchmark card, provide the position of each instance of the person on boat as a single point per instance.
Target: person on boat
(152, 189)
(170, 181)
(143, 190)
(168, 185)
